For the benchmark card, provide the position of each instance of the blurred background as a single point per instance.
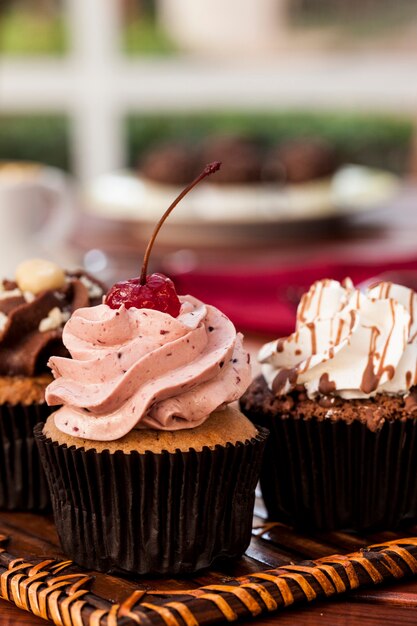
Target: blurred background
(108, 108)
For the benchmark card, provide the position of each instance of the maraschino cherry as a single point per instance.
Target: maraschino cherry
(155, 291)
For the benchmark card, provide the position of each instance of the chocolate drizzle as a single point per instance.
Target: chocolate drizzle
(307, 299)
(326, 386)
(24, 349)
(339, 330)
(408, 379)
(312, 328)
(280, 344)
(371, 379)
(281, 379)
(384, 290)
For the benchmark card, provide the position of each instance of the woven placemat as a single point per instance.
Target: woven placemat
(63, 594)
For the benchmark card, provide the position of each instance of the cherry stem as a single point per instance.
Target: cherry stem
(211, 168)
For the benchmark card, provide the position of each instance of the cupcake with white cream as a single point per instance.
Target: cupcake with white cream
(339, 396)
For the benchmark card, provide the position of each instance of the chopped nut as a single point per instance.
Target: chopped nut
(36, 275)
(55, 319)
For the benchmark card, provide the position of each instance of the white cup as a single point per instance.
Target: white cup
(36, 213)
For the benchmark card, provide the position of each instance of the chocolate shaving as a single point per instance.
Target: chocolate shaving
(79, 295)
(7, 305)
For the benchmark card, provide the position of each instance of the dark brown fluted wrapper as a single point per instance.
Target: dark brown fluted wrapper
(23, 484)
(333, 475)
(168, 513)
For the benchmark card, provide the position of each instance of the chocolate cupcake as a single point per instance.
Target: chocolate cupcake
(340, 399)
(150, 470)
(33, 310)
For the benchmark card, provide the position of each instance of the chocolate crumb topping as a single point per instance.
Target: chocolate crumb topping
(373, 412)
(326, 401)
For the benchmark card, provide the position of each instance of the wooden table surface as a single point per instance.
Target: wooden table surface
(34, 536)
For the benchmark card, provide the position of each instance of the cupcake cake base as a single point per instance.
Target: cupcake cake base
(152, 502)
(336, 464)
(23, 484)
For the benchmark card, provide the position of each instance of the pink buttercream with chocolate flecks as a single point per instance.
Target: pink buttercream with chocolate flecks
(141, 368)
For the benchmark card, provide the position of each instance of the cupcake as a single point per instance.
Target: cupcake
(340, 399)
(151, 471)
(33, 310)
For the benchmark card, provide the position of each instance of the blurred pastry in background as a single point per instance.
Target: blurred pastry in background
(300, 161)
(241, 158)
(246, 160)
(265, 191)
(169, 163)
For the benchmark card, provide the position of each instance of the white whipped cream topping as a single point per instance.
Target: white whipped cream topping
(347, 343)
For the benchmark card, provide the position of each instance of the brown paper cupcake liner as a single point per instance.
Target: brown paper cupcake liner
(333, 475)
(168, 513)
(23, 484)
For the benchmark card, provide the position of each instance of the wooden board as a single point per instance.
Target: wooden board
(33, 538)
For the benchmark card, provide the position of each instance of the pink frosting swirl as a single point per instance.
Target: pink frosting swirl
(139, 368)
